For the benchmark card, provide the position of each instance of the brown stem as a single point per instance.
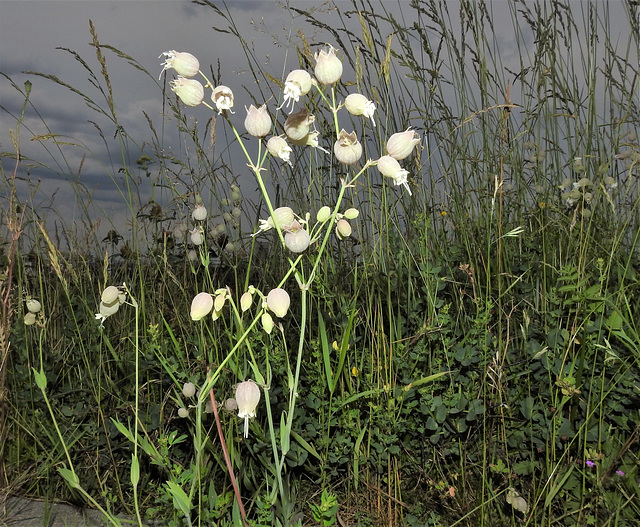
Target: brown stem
(227, 460)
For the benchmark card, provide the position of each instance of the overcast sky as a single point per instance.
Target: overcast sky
(30, 32)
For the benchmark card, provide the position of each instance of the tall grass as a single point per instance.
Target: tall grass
(469, 356)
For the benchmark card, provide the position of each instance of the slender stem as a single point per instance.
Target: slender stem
(227, 460)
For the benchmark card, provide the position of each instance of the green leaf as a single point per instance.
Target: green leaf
(41, 379)
(135, 470)
(180, 499)
(70, 477)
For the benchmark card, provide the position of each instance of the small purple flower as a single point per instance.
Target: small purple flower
(590, 464)
(620, 473)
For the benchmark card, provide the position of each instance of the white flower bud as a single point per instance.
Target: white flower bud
(343, 229)
(33, 306)
(189, 389)
(278, 301)
(323, 214)
(110, 295)
(351, 214)
(201, 306)
(297, 241)
(267, 322)
(199, 213)
(245, 301)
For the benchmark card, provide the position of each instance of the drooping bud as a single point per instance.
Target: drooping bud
(245, 301)
(343, 229)
(351, 214)
(267, 322)
(189, 389)
(33, 306)
(201, 306)
(278, 301)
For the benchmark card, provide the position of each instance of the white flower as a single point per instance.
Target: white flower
(278, 301)
(357, 104)
(284, 217)
(278, 147)
(328, 68)
(33, 306)
(247, 399)
(183, 63)
(389, 167)
(297, 241)
(298, 125)
(297, 83)
(347, 148)
(401, 144)
(197, 236)
(222, 97)
(189, 389)
(199, 213)
(190, 91)
(201, 306)
(258, 121)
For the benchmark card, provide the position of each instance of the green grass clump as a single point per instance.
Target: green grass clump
(467, 355)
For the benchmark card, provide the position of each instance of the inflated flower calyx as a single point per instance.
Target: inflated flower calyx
(297, 83)
(343, 229)
(258, 121)
(278, 147)
(201, 306)
(33, 306)
(357, 104)
(278, 302)
(401, 144)
(181, 62)
(189, 389)
(190, 91)
(298, 125)
(516, 501)
(347, 148)
(389, 167)
(247, 399)
(297, 241)
(328, 68)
